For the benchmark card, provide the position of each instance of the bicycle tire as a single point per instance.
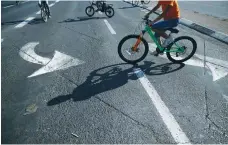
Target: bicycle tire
(130, 37)
(43, 13)
(189, 56)
(146, 2)
(91, 8)
(109, 9)
(135, 2)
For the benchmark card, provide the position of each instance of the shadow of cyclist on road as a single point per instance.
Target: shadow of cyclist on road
(109, 78)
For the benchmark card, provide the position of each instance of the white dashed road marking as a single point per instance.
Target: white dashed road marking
(22, 24)
(169, 120)
(109, 27)
(8, 6)
(51, 4)
(225, 97)
(38, 13)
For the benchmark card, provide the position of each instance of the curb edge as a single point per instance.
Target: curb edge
(202, 29)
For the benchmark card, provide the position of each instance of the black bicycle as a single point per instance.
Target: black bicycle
(45, 12)
(136, 2)
(100, 6)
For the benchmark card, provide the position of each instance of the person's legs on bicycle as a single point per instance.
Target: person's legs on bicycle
(170, 14)
(47, 6)
(160, 27)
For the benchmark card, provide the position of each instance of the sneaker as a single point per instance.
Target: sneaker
(157, 52)
(167, 41)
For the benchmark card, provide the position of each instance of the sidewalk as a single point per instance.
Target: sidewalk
(209, 25)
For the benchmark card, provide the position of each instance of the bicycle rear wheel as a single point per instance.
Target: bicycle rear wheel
(146, 1)
(187, 47)
(126, 52)
(135, 2)
(89, 11)
(44, 15)
(109, 12)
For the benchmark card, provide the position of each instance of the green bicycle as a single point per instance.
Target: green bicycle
(174, 50)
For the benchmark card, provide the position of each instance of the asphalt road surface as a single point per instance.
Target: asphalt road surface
(63, 82)
(214, 8)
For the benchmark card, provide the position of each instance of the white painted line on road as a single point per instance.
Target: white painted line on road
(8, 6)
(57, 1)
(22, 24)
(218, 72)
(99, 12)
(27, 52)
(38, 13)
(169, 120)
(25, 1)
(109, 27)
(225, 97)
(51, 4)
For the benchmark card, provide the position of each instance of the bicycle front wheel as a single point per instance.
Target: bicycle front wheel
(146, 1)
(126, 52)
(182, 49)
(89, 11)
(135, 2)
(44, 14)
(109, 12)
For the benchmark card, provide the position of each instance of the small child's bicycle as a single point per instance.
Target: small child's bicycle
(101, 6)
(129, 46)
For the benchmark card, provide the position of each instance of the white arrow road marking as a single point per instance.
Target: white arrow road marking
(27, 52)
(60, 61)
(213, 60)
(218, 72)
(177, 133)
(8, 6)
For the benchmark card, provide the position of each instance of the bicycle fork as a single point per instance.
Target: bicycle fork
(138, 40)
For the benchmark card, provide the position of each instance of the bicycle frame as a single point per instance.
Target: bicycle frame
(152, 36)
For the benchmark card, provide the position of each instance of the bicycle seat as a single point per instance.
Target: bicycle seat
(173, 30)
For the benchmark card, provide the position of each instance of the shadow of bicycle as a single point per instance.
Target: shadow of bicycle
(112, 77)
(79, 19)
